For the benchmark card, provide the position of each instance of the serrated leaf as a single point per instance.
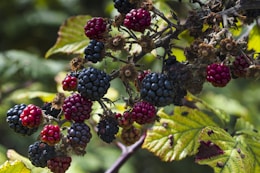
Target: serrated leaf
(176, 136)
(244, 127)
(254, 39)
(14, 166)
(254, 146)
(71, 37)
(236, 156)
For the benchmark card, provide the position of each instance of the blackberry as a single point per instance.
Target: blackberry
(70, 83)
(143, 112)
(157, 89)
(95, 28)
(49, 110)
(94, 52)
(77, 108)
(50, 134)
(131, 135)
(123, 6)
(14, 121)
(78, 137)
(137, 19)
(239, 66)
(59, 164)
(218, 75)
(39, 153)
(93, 83)
(107, 129)
(31, 116)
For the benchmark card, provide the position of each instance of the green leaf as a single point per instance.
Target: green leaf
(14, 166)
(254, 146)
(71, 39)
(254, 39)
(176, 136)
(236, 157)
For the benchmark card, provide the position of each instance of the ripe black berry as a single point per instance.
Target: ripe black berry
(93, 83)
(79, 136)
(49, 110)
(157, 89)
(123, 6)
(94, 52)
(14, 121)
(107, 129)
(239, 66)
(39, 153)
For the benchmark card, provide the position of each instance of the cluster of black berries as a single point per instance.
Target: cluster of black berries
(211, 57)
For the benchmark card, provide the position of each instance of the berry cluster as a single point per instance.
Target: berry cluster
(67, 122)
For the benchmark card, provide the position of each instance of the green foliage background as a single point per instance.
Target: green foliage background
(29, 28)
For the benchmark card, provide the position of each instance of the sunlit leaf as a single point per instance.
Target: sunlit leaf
(14, 167)
(176, 136)
(254, 39)
(236, 156)
(254, 146)
(71, 39)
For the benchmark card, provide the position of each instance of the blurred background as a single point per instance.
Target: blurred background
(28, 29)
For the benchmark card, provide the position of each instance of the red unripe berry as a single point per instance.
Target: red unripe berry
(144, 112)
(95, 28)
(50, 134)
(125, 120)
(31, 116)
(59, 164)
(218, 75)
(138, 19)
(70, 83)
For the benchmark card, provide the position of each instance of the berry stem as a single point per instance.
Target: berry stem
(127, 152)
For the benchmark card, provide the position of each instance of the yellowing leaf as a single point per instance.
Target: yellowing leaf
(14, 167)
(176, 136)
(254, 39)
(72, 39)
(236, 156)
